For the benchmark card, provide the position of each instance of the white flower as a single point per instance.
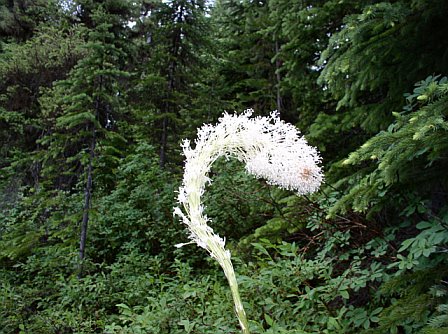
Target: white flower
(270, 149)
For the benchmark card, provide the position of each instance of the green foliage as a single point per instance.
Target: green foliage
(303, 29)
(19, 18)
(26, 71)
(408, 154)
(179, 304)
(47, 218)
(246, 68)
(136, 214)
(438, 323)
(235, 202)
(116, 84)
(370, 61)
(167, 95)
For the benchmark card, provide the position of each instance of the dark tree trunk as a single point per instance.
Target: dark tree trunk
(163, 143)
(278, 77)
(87, 205)
(169, 106)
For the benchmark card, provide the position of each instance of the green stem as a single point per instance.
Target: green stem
(239, 309)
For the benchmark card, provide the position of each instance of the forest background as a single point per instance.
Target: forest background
(95, 98)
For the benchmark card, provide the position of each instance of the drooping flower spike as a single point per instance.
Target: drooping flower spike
(269, 148)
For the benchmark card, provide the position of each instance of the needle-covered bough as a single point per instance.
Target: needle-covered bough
(270, 149)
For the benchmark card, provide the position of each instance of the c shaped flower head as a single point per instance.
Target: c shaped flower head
(269, 148)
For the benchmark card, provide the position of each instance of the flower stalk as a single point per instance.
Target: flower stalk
(269, 148)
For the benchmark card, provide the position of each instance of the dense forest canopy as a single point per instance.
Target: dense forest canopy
(95, 99)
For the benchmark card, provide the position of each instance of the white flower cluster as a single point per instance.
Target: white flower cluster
(269, 147)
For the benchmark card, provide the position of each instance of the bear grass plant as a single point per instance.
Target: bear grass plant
(269, 148)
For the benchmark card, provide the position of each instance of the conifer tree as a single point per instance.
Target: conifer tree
(176, 37)
(26, 71)
(377, 55)
(20, 18)
(84, 112)
(248, 66)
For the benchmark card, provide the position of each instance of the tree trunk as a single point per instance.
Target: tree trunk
(87, 205)
(169, 107)
(163, 143)
(278, 77)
